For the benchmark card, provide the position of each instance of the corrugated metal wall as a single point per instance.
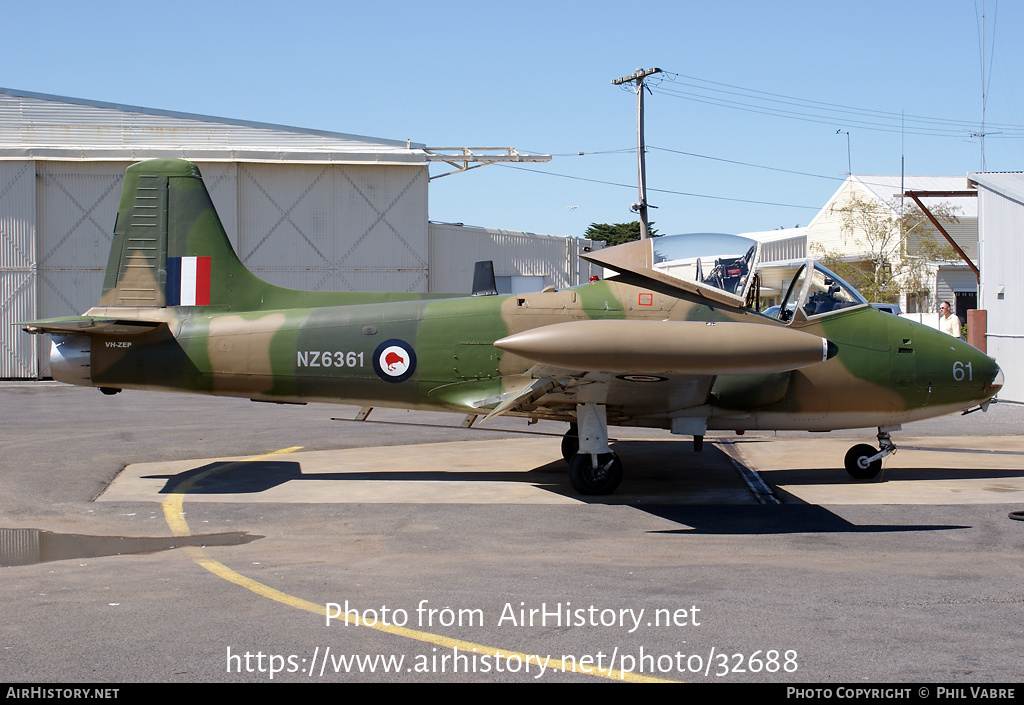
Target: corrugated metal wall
(455, 248)
(17, 266)
(76, 204)
(784, 250)
(1002, 290)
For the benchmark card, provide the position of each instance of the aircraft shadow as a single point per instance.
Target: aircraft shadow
(653, 470)
(252, 477)
(837, 475)
(799, 518)
(669, 480)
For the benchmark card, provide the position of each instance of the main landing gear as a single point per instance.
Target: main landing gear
(863, 462)
(593, 468)
(595, 474)
(571, 443)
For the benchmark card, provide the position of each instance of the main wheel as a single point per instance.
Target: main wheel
(857, 462)
(586, 479)
(571, 443)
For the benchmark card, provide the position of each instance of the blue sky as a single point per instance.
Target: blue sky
(537, 76)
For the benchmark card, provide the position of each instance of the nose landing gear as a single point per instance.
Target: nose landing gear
(863, 462)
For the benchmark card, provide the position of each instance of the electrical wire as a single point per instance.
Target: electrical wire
(659, 190)
(739, 163)
(778, 105)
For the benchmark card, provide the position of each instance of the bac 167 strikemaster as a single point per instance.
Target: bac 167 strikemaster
(672, 341)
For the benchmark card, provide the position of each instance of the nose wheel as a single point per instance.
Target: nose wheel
(859, 462)
(863, 462)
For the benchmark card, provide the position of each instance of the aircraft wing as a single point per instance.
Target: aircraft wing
(644, 367)
(556, 388)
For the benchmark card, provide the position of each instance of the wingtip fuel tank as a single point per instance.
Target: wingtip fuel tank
(669, 347)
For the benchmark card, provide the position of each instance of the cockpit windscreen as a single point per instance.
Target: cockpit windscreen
(818, 291)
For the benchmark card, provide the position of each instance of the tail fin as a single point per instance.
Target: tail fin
(170, 249)
(169, 246)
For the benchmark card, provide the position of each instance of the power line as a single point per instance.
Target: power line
(791, 100)
(735, 162)
(755, 166)
(778, 105)
(660, 190)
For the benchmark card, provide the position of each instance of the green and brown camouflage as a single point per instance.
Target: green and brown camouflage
(180, 312)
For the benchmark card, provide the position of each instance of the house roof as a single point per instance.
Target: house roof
(885, 188)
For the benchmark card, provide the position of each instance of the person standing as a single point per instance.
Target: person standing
(948, 322)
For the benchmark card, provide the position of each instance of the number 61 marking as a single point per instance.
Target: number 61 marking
(958, 371)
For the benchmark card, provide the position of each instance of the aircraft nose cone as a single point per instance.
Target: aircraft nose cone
(985, 371)
(997, 381)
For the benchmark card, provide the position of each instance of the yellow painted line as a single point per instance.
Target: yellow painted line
(174, 513)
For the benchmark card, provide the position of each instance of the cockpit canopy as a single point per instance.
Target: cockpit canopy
(722, 261)
(724, 269)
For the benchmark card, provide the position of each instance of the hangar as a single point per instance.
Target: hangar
(306, 209)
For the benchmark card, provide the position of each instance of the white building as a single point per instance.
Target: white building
(306, 209)
(947, 279)
(782, 253)
(1001, 253)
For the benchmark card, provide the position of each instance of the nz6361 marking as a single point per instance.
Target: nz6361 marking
(327, 358)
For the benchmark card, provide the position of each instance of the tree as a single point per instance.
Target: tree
(618, 233)
(896, 244)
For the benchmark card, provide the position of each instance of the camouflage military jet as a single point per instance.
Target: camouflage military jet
(671, 341)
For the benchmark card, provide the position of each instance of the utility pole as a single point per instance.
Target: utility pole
(849, 167)
(638, 77)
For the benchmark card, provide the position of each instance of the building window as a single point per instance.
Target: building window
(917, 302)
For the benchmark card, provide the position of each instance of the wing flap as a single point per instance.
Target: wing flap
(524, 396)
(89, 325)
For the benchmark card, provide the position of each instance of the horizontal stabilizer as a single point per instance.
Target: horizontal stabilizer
(89, 325)
(669, 347)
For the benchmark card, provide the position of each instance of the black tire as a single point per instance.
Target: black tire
(604, 479)
(854, 462)
(570, 443)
